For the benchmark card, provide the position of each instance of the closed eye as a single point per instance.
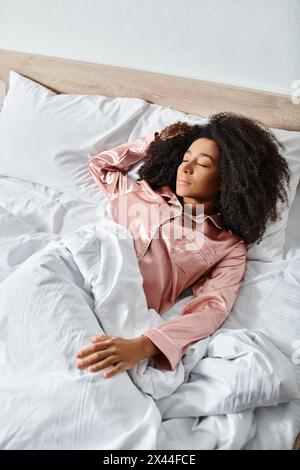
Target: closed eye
(205, 166)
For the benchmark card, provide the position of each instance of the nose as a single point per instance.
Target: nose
(187, 168)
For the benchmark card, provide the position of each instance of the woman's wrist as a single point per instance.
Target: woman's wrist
(149, 347)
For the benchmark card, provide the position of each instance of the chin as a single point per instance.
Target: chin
(182, 191)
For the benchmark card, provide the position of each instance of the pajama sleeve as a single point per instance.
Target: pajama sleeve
(214, 296)
(107, 167)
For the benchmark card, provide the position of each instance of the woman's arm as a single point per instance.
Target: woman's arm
(107, 166)
(202, 316)
(214, 294)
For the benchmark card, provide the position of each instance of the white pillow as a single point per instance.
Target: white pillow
(272, 245)
(46, 137)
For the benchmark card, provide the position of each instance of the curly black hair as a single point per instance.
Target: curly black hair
(252, 169)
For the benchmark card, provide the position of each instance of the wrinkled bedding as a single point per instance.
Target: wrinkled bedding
(62, 284)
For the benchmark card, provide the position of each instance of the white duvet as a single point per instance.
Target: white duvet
(60, 287)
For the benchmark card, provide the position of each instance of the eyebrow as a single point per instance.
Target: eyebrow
(202, 153)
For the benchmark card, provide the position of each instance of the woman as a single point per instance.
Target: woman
(232, 170)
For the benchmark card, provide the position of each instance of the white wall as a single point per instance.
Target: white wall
(252, 43)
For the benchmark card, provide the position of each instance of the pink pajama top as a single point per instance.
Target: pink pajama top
(172, 255)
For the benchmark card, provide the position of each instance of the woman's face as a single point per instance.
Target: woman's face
(198, 176)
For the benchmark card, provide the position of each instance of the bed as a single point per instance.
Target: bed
(50, 233)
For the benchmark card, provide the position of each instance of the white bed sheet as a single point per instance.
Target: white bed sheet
(269, 300)
(277, 426)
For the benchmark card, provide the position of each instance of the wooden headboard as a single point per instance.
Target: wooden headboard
(191, 96)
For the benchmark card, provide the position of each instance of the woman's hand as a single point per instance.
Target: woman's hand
(121, 353)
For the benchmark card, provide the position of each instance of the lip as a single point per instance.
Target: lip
(182, 181)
